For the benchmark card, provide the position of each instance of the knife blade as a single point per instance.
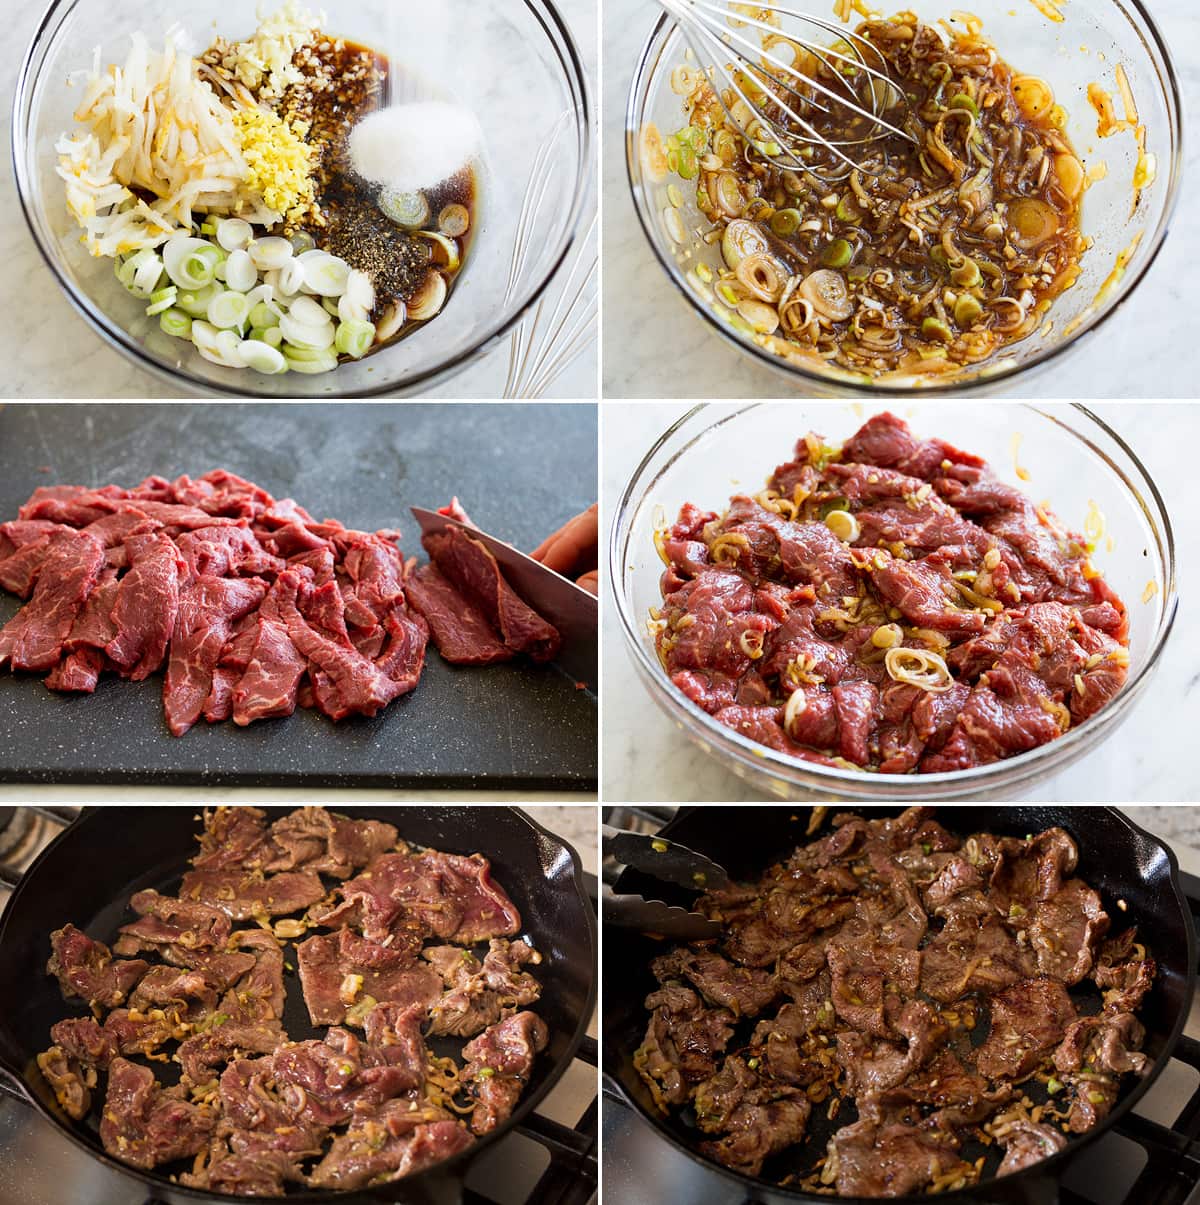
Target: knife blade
(570, 608)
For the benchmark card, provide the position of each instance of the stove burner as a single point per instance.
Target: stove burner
(22, 833)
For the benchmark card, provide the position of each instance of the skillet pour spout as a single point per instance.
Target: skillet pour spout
(1135, 873)
(88, 873)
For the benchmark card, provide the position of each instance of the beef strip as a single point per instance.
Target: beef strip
(1028, 1019)
(1027, 1143)
(324, 843)
(498, 1065)
(682, 1043)
(233, 838)
(890, 1160)
(243, 895)
(371, 1152)
(165, 921)
(145, 1126)
(201, 1055)
(87, 969)
(476, 573)
(478, 993)
(71, 1083)
(458, 626)
(146, 606)
(454, 896)
(742, 990)
(338, 970)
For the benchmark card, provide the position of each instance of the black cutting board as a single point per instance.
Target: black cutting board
(520, 470)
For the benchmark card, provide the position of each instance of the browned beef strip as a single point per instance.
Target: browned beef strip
(146, 606)
(742, 990)
(1065, 930)
(263, 1174)
(259, 995)
(33, 639)
(758, 1131)
(339, 969)
(454, 896)
(222, 969)
(233, 837)
(242, 895)
(145, 1126)
(143, 1033)
(473, 569)
(87, 969)
(208, 608)
(187, 993)
(1028, 1020)
(1027, 1143)
(864, 976)
(201, 1055)
(82, 1039)
(458, 626)
(894, 1160)
(498, 1065)
(369, 1152)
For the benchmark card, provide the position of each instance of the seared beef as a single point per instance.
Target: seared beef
(324, 843)
(876, 1160)
(145, 1126)
(371, 1153)
(164, 921)
(340, 970)
(498, 1065)
(476, 573)
(1028, 1019)
(924, 979)
(243, 895)
(256, 1108)
(87, 969)
(478, 993)
(455, 897)
(1026, 1143)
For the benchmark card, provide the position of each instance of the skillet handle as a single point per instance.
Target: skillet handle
(11, 1084)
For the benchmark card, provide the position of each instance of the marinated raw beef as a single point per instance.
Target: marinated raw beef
(253, 1111)
(248, 602)
(889, 605)
(892, 966)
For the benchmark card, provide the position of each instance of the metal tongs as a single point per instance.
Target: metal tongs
(671, 863)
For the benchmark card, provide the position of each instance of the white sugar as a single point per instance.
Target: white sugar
(407, 148)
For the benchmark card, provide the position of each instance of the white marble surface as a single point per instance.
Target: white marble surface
(657, 346)
(37, 332)
(645, 759)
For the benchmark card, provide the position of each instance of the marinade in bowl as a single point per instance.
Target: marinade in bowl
(1063, 459)
(1034, 193)
(438, 53)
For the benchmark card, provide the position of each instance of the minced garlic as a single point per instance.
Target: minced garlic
(279, 162)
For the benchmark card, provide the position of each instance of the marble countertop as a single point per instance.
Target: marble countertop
(35, 333)
(645, 758)
(656, 346)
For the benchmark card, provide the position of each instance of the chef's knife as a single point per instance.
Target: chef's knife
(570, 608)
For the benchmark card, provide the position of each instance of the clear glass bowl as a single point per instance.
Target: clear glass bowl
(1072, 460)
(514, 63)
(1084, 47)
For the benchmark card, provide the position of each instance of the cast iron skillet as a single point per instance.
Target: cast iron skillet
(1115, 856)
(88, 873)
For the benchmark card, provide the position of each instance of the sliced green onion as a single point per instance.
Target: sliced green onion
(937, 330)
(454, 220)
(408, 209)
(966, 310)
(961, 100)
(161, 301)
(785, 222)
(263, 316)
(177, 323)
(354, 339)
(195, 302)
(837, 254)
(228, 310)
(847, 210)
(326, 364)
(966, 274)
(688, 168)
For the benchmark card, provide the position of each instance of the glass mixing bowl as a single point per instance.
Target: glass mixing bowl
(1067, 457)
(514, 63)
(1084, 47)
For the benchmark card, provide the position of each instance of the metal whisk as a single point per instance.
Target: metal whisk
(781, 98)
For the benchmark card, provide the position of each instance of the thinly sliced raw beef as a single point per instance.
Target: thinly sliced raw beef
(33, 638)
(268, 687)
(208, 609)
(472, 568)
(147, 605)
(459, 628)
